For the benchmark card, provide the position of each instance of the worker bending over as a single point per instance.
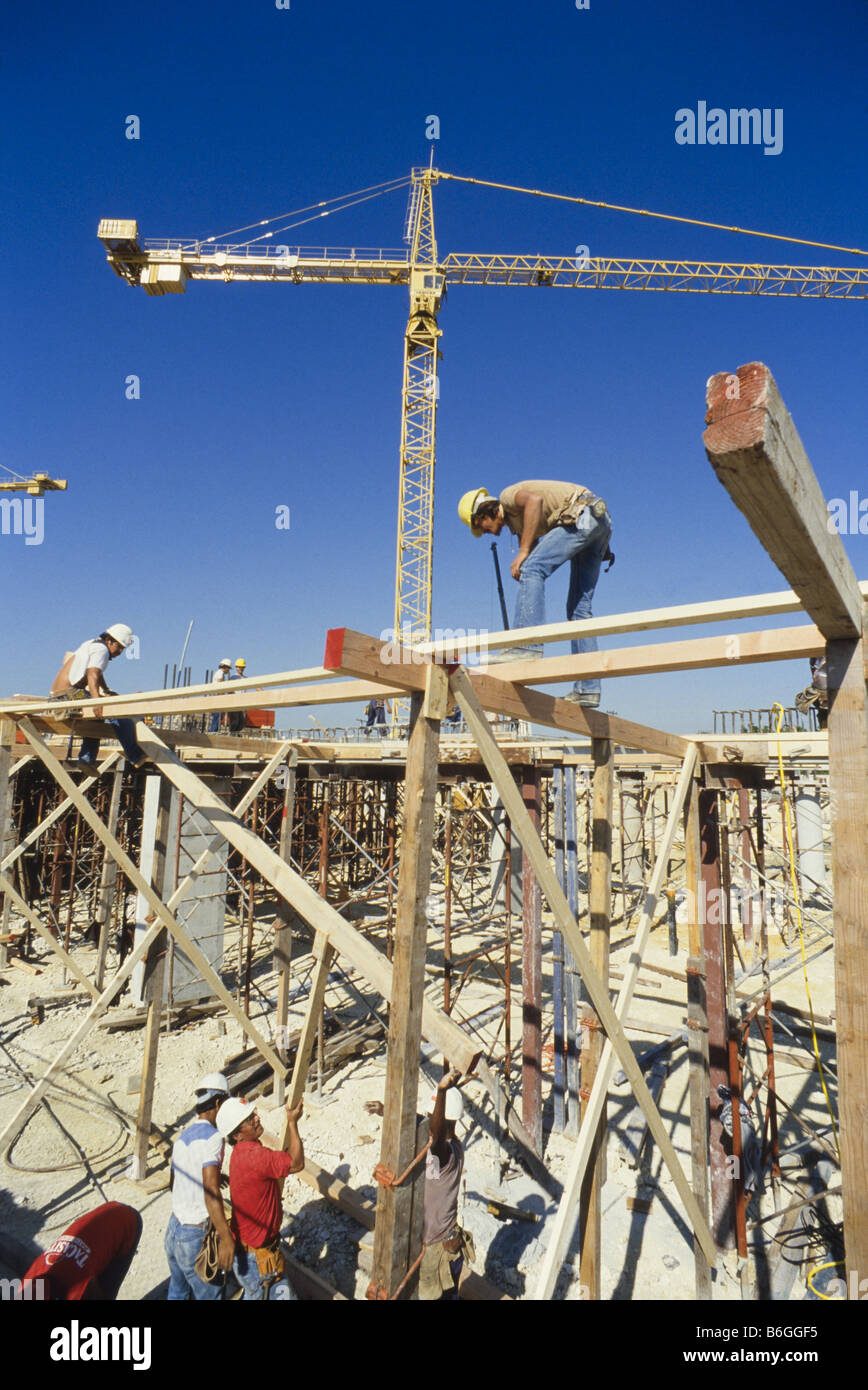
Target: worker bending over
(256, 1190)
(555, 523)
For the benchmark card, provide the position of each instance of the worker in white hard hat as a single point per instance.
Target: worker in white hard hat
(197, 1157)
(223, 673)
(81, 676)
(445, 1244)
(555, 523)
(256, 1188)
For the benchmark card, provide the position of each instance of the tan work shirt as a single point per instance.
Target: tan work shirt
(563, 503)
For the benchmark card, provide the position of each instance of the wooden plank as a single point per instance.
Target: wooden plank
(154, 966)
(848, 788)
(699, 653)
(599, 995)
(756, 453)
(63, 716)
(349, 942)
(282, 928)
(600, 911)
(60, 810)
(727, 610)
(566, 1216)
(7, 827)
(394, 1245)
(714, 963)
(26, 1109)
(188, 946)
(355, 653)
(324, 954)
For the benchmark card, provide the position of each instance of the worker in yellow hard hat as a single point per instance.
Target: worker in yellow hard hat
(240, 667)
(555, 522)
(238, 718)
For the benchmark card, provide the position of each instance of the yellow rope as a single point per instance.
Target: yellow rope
(830, 1264)
(643, 212)
(796, 899)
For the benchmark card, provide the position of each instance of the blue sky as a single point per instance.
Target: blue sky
(254, 396)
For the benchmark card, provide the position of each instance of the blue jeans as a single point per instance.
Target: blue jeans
(126, 732)
(584, 544)
(246, 1271)
(182, 1245)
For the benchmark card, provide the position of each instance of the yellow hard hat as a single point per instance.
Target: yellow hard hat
(241, 661)
(468, 504)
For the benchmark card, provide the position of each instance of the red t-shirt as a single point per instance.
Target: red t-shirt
(253, 1187)
(85, 1249)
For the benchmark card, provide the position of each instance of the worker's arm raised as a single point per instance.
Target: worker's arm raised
(531, 514)
(437, 1121)
(294, 1146)
(214, 1207)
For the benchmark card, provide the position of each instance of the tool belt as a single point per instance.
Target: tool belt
(269, 1261)
(435, 1274)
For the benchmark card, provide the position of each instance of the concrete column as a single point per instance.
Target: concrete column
(809, 833)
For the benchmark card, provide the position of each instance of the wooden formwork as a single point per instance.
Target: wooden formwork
(757, 455)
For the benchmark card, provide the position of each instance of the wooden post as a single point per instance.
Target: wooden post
(152, 991)
(574, 992)
(697, 1033)
(559, 1067)
(592, 1040)
(848, 788)
(393, 1248)
(108, 881)
(531, 974)
(282, 929)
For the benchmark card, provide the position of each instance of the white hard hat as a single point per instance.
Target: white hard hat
(225, 662)
(232, 1113)
(121, 633)
(214, 1084)
(454, 1104)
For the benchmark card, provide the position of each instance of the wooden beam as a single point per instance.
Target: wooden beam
(282, 928)
(699, 653)
(848, 788)
(597, 991)
(349, 942)
(565, 1220)
(726, 610)
(355, 653)
(394, 1244)
(754, 448)
(107, 881)
(600, 909)
(165, 916)
(154, 967)
(323, 954)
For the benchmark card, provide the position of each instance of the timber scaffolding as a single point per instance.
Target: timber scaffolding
(758, 457)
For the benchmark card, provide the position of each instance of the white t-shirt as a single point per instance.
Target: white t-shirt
(199, 1146)
(92, 653)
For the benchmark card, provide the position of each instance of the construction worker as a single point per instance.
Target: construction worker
(238, 717)
(81, 676)
(816, 695)
(91, 1258)
(255, 1188)
(445, 1244)
(555, 523)
(375, 716)
(223, 673)
(197, 1157)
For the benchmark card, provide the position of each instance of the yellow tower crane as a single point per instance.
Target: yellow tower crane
(36, 485)
(164, 267)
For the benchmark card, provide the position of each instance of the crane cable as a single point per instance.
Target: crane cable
(374, 189)
(795, 890)
(644, 212)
